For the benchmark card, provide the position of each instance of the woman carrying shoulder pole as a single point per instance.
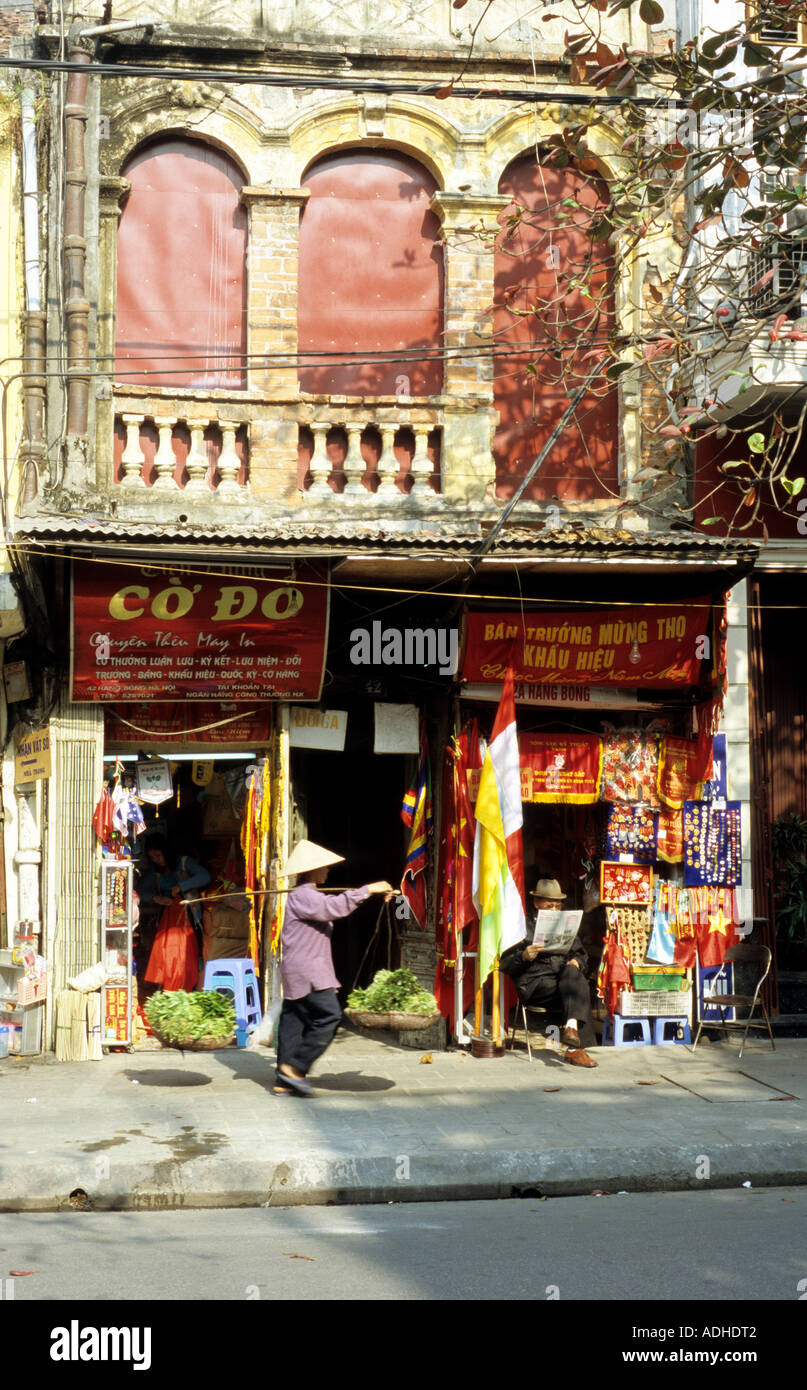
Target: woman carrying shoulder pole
(311, 1012)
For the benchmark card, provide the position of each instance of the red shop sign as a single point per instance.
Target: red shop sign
(661, 645)
(153, 633)
(182, 722)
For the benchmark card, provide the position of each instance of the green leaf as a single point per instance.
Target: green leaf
(651, 12)
(756, 55)
(756, 443)
(711, 521)
(617, 369)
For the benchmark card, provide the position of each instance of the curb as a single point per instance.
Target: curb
(205, 1183)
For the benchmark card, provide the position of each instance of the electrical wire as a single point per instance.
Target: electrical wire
(242, 77)
(197, 570)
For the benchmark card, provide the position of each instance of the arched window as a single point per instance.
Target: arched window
(560, 282)
(370, 276)
(181, 305)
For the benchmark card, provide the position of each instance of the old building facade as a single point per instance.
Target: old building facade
(289, 322)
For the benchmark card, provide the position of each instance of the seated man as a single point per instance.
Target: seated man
(540, 976)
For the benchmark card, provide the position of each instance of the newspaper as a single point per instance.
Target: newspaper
(555, 930)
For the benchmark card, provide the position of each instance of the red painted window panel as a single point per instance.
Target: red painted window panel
(533, 268)
(181, 307)
(370, 275)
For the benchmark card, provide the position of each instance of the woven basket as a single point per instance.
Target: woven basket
(406, 1022)
(409, 1022)
(194, 1044)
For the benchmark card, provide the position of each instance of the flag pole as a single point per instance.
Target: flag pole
(495, 1028)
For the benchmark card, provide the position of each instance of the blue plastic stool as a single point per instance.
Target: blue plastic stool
(620, 1024)
(236, 977)
(680, 1029)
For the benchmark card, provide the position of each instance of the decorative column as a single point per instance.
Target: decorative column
(274, 223)
(112, 195)
(165, 460)
(229, 464)
(421, 467)
(387, 466)
(320, 465)
(469, 222)
(354, 465)
(197, 462)
(133, 456)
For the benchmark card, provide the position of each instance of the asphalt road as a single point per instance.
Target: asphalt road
(724, 1245)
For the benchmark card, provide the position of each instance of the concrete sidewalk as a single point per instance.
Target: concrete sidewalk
(166, 1129)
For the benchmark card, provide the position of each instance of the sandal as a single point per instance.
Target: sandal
(297, 1084)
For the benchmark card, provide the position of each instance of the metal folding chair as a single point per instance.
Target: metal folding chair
(524, 1009)
(738, 955)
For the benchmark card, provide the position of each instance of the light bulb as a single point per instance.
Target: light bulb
(635, 655)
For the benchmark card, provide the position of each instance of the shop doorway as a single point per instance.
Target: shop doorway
(201, 824)
(351, 803)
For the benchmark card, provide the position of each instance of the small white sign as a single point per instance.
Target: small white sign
(570, 696)
(397, 729)
(317, 728)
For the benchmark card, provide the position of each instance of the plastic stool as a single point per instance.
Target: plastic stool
(620, 1024)
(680, 1030)
(236, 977)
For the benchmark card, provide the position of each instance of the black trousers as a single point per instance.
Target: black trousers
(570, 988)
(307, 1027)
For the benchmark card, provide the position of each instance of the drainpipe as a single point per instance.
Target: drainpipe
(32, 455)
(77, 308)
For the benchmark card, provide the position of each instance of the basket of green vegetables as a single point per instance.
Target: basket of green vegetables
(198, 1022)
(394, 999)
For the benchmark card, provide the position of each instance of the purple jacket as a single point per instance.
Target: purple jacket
(306, 962)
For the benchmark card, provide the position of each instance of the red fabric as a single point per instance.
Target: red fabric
(102, 822)
(174, 959)
(685, 951)
(715, 906)
(457, 911)
(614, 974)
(505, 717)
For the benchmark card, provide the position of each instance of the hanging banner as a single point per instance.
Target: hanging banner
(661, 646)
(557, 768)
(154, 781)
(565, 769)
(683, 767)
(180, 722)
(157, 634)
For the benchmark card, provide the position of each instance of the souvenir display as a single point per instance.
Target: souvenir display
(116, 927)
(630, 767)
(632, 830)
(631, 884)
(712, 844)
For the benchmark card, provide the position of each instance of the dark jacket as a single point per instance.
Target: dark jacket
(527, 975)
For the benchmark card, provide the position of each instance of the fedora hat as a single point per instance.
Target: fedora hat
(307, 856)
(548, 888)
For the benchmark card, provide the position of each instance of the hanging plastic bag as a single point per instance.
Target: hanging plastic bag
(264, 1034)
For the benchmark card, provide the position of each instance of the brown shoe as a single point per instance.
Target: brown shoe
(570, 1038)
(579, 1058)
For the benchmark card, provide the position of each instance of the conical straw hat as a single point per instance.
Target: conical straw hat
(307, 856)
